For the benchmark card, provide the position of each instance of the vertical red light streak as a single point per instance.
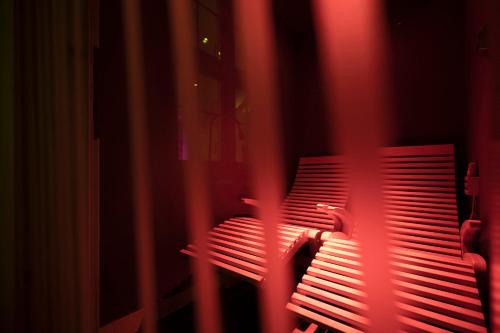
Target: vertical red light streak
(144, 240)
(256, 42)
(491, 126)
(198, 205)
(352, 54)
(493, 160)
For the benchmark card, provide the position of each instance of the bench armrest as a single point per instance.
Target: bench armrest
(250, 202)
(468, 231)
(342, 219)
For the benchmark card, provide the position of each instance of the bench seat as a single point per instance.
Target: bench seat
(237, 245)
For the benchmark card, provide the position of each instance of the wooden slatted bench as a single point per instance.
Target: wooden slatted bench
(433, 295)
(435, 288)
(237, 245)
(420, 198)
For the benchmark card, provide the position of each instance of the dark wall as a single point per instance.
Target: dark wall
(427, 60)
(430, 78)
(428, 66)
(117, 260)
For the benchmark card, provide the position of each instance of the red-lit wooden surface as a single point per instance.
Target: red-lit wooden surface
(237, 245)
(431, 295)
(420, 198)
(435, 289)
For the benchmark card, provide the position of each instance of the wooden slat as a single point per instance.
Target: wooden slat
(415, 189)
(462, 279)
(394, 179)
(331, 298)
(433, 264)
(419, 194)
(338, 260)
(336, 243)
(444, 223)
(352, 293)
(282, 231)
(429, 214)
(441, 295)
(426, 240)
(347, 254)
(238, 271)
(422, 233)
(439, 319)
(230, 257)
(411, 204)
(430, 256)
(237, 246)
(419, 164)
(422, 208)
(321, 160)
(437, 284)
(426, 248)
(321, 320)
(391, 169)
(332, 311)
(296, 216)
(415, 326)
(313, 225)
(254, 233)
(436, 290)
(447, 309)
(354, 273)
(419, 151)
(418, 159)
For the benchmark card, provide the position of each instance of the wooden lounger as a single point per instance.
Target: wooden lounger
(420, 198)
(237, 245)
(435, 287)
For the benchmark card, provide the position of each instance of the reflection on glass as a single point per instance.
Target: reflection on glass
(208, 31)
(242, 118)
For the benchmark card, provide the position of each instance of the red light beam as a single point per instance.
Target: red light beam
(199, 210)
(257, 44)
(140, 162)
(352, 53)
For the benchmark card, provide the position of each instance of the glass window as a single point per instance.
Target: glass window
(208, 32)
(210, 121)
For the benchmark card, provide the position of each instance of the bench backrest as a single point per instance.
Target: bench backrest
(420, 198)
(318, 180)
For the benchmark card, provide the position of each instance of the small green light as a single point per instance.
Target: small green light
(204, 40)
